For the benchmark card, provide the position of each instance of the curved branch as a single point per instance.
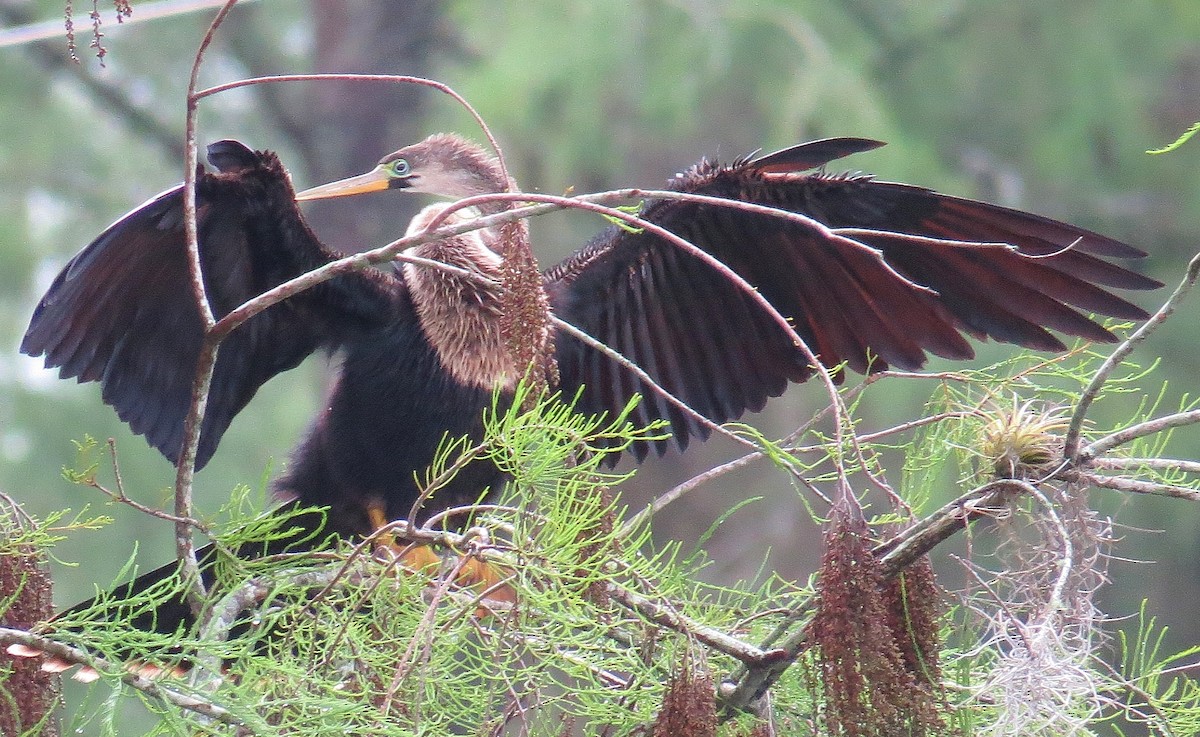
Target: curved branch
(373, 78)
(151, 688)
(185, 466)
(1071, 444)
(1140, 430)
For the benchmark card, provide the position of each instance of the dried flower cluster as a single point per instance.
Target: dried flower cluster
(877, 642)
(123, 8)
(689, 705)
(525, 310)
(913, 604)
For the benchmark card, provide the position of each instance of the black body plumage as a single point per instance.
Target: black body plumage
(121, 313)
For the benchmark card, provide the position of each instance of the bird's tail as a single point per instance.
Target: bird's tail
(154, 602)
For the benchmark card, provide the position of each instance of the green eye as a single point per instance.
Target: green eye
(399, 168)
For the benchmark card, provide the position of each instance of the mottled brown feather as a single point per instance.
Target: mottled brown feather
(461, 316)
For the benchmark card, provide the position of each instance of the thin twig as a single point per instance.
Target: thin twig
(185, 465)
(1141, 429)
(666, 616)
(1092, 392)
(1161, 464)
(371, 78)
(677, 492)
(121, 497)
(1135, 486)
(1065, 561)
(408, 660)
(680, 490)
(430, 487)
(629, 365)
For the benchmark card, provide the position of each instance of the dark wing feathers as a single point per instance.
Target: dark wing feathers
(88, 326)
(882, 275)
(911, 272)
(121, 312)
(962, 215)
(859, 202)
(812, 155)
(1071, 250)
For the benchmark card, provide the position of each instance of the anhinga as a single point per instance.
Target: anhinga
(421, 349)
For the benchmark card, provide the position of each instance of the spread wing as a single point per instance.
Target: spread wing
(915, 274)
(121, 312)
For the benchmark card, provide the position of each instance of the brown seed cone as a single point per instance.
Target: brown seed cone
(689, 707)
(29, 694)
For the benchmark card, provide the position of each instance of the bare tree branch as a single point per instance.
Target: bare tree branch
(1071, 444)
(147, 686)
(143, 121)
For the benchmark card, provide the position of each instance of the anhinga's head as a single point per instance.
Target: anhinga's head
(443, 164)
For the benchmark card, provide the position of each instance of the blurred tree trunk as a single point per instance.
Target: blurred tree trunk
(355, 124)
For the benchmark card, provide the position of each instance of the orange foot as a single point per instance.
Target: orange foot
(470, 571)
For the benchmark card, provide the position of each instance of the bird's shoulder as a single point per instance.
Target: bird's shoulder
(794, 179)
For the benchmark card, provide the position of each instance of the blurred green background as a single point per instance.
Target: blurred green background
(1042, 106)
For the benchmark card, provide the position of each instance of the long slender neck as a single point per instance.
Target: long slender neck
(460, 316)
(491, 181)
